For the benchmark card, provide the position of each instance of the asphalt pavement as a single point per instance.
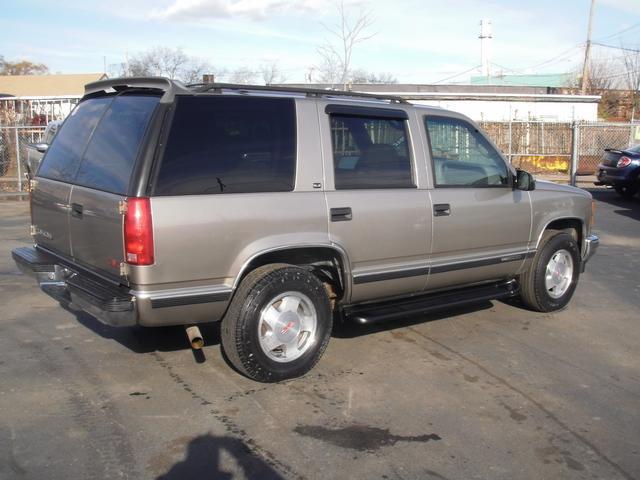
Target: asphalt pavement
(491, 391)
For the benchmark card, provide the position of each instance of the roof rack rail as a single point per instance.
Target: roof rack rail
(309, 92)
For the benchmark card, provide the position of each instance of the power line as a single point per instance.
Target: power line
(623, 74)
(617, 48)
(620, 32)
(457, 75)
(558, 58)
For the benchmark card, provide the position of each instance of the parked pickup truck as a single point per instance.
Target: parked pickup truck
(277, 210)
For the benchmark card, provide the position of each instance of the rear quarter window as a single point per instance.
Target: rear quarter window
(229, 144)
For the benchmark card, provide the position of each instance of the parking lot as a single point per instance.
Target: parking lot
(490, 392)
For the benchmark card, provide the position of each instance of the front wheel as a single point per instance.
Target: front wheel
(553, 276)
(626, 191)
(278, 324)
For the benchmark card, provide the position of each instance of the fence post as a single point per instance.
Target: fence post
(18, 166)
(510, 141)
(573, 168)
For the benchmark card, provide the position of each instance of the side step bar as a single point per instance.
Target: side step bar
(383, 312)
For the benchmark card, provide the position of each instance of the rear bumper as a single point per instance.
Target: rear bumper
(616, 176)
(109, 303)
(591, 244)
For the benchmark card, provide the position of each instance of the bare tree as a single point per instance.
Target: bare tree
(166, 62)
(271, 73)
(336, 53)
(631, 60)
(600, 75)
(243, 75)
(363, 76)
(22, 67)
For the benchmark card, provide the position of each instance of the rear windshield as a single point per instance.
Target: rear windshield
(220, 145)
(98, 144)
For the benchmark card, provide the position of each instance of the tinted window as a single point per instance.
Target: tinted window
(63, 157)
(370, 153)
(462, 157)
(112, 151)
(229, 145)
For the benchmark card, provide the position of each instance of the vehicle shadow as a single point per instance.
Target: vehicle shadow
(203, 461)
(146, 340)
(629, 208)
(349, 329)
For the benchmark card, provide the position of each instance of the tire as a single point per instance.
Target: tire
(561, 248)
(265, 335)
(626, 191)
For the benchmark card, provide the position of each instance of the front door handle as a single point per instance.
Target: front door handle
(76, 210)
(441, 209)
(342, 214)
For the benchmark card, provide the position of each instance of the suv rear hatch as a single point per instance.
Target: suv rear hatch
(86, 174)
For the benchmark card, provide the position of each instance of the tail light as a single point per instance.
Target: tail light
(138, 232)
(623, 162)
(593, 213)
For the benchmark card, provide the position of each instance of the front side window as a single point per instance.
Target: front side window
(462, 157)
(229, 144)
(370, 153)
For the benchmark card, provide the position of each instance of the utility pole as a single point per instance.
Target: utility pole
(587, 52)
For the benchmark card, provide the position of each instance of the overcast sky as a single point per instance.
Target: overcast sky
(416, 40)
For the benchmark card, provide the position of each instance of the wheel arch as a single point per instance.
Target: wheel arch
(573, 225)
(329, 262)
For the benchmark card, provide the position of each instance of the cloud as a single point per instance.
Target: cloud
(181, 10)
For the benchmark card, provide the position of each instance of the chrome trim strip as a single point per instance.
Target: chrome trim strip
(482, 262)
(381, 275)
(378, 276)
(173, 293)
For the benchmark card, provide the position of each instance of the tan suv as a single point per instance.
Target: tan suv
(276, 211)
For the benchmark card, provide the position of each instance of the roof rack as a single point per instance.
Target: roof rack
(309, 92)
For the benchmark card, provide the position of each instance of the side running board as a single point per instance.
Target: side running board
(385, 311)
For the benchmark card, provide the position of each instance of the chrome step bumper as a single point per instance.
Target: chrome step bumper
(591, 244)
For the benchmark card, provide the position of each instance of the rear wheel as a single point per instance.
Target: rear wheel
(626, 191)
(552, 278)
(278, 324)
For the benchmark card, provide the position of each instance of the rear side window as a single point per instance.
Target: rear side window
(370, 153)
(63, 157)
(109, 159)
(228, 144)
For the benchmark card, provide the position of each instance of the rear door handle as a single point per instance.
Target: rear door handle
(441, 209)
(342, 214)
(76, 210)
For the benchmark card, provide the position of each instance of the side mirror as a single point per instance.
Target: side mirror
(524, 181)
(41, 147)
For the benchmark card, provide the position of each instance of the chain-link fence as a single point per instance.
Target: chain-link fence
(538, 147)
(13, 156)
(548, 147)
